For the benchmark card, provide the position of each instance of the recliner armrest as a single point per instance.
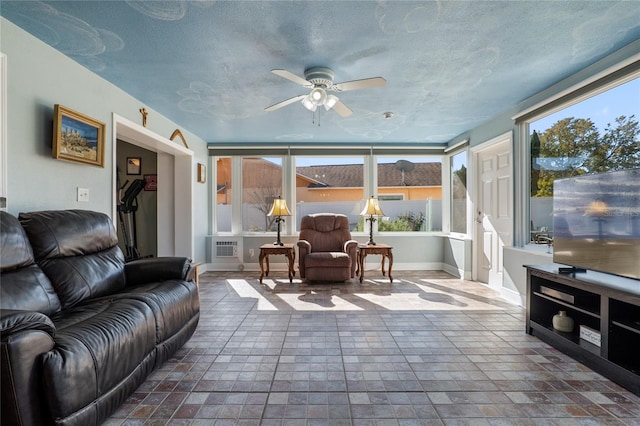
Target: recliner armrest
(304, 248)
(304, 245)
(350, 245)
(153, 269)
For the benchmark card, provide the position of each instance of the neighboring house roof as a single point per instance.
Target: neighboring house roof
(352, 176)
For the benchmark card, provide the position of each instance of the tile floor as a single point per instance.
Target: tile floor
(428, 349)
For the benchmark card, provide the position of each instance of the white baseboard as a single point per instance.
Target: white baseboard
(281, 266)
(512, 296)
(465, 275)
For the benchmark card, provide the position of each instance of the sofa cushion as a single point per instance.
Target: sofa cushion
(98, 345)
(173, 303)
(78, 251)
(24, 285)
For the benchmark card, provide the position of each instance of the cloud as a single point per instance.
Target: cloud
(166, 10)
(399, 17)
(70, 35)
(370, 125)
(201, 98)
(618, 19)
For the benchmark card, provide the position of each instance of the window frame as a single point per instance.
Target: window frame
(289, 183)
(563, 100)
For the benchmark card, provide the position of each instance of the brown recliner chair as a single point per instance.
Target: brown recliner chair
(326, 250)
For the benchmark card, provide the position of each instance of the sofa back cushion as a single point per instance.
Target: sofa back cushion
(325, 231)
(78, 250)
(24, 285)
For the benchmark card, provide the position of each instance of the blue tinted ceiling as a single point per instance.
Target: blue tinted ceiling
(449, 65)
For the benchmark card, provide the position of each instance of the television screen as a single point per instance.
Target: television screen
(597, 222)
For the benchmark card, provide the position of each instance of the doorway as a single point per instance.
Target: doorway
(175, 178)
(494, 208)
(137, 200)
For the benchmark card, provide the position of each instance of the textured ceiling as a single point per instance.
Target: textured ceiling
(449, 65)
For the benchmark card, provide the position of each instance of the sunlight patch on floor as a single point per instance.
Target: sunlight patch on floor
(244, 289)
(427, 299)
(315, 301)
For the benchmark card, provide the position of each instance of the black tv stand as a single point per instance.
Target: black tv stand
(571, 270)
(606, 312)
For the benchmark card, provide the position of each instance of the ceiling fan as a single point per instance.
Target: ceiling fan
(320, 80)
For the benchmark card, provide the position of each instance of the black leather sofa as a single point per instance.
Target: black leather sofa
(80, 329)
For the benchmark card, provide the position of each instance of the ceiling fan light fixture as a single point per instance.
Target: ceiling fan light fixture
(308, 103)
(318, 96)
(330, 102)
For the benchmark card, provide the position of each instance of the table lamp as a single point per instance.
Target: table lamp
(371, 209)
(278, 210)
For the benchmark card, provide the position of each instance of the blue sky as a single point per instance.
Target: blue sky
(602, 109)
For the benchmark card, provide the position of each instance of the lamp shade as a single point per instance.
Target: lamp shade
(279, 208)
(372, 208)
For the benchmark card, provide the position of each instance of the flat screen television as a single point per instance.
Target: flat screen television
(596, 220)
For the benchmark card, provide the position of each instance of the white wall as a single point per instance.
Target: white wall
(39, 77)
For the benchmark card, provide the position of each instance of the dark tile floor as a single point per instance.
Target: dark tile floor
(428, 349)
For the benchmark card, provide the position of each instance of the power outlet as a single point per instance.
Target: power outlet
(251, 253)
(83, 195)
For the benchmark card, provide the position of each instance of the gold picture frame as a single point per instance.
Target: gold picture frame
(77, 137)
(202, 173)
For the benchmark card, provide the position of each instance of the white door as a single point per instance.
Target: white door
(494, 208)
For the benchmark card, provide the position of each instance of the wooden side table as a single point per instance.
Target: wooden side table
(382, 249)
(196, 277)
(267, 250)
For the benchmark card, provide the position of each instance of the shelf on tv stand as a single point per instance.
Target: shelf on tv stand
(605, 303)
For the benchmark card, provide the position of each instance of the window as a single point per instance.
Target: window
(410, 194)
(459, 193)
(261, 184)
(223, 194)
(409, 189)
(333, 184)
(596, 135)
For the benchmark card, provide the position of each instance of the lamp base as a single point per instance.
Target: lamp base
(278, 242)
(371, 220)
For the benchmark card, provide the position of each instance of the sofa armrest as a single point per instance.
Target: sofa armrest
(14, 321)
(24, 337)
(153, 269)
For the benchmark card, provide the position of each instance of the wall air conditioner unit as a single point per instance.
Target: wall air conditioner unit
(227, 249)
(224, 253)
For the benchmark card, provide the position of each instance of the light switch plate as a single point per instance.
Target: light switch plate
(83, 194)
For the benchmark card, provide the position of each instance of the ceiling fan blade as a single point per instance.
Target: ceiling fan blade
(284, 103)
(292, 77)
(342, 109)
(367, 83)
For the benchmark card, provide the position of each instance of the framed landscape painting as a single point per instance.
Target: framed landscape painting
(77, 137)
